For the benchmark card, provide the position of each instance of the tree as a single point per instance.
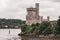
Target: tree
(45, 28)
(26, 29)
(58, 22)
(35, 28)
(57, 29)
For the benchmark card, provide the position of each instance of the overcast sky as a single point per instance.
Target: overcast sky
(16, 9)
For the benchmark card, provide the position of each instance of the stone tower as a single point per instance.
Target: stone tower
(33, 15)
(37, 8)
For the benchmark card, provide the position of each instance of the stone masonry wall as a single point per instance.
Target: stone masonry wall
(41, 38)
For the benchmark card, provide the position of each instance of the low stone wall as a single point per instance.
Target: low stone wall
(40, 38)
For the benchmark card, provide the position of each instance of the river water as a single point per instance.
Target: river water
(9, 34)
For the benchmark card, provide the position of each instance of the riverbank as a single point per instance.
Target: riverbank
(40, 37)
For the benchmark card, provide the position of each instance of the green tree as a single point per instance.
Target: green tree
(57, 29)
(33, 26)
(58, 22)
(45, 28)
(26, 29)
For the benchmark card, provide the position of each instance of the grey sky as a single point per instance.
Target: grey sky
(17, 8)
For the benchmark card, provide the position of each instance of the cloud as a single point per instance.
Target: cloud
(56, 0)
(17, 8)
(51, 0)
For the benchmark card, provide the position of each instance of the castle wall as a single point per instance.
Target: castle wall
(33, 17)
(41, 38)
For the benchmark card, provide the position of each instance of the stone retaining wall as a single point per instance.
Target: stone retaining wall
(40, 38)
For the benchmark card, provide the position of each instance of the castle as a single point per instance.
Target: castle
(33, 17)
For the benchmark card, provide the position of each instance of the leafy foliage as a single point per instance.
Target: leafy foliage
(45, 28)
(57, 28)
(26, 29)
(58, 22)
(11, 22)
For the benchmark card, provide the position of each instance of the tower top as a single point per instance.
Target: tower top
(37, 8)
(37, 3)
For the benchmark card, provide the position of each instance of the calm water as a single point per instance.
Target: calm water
(9, 34)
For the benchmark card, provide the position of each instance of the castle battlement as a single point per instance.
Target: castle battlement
(31, 9)
(33, 17)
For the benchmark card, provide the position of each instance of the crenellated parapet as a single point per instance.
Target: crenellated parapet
(33, 17)
(31, 9)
